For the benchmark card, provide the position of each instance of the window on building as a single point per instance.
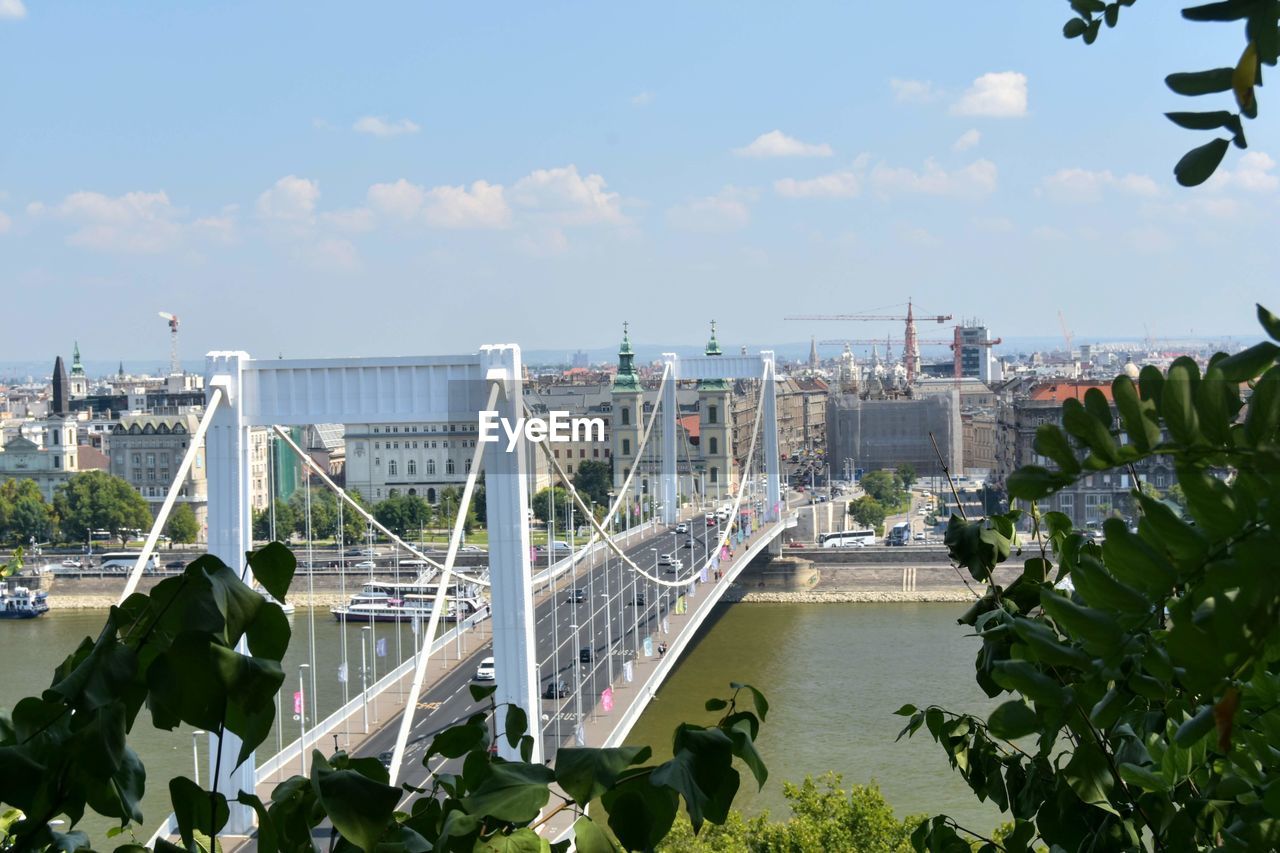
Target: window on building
(448, 466)
(713, 414)
(715, 474)
(412, 468)
(626, 447)
(582, 453)
(595, 453)
(137, 459)
(625, 414)
(431, 495)
(569, 469)
(467, 466)
(431, 467)
(606, 453)
(137, 473)
(713, 445)
(391, 467)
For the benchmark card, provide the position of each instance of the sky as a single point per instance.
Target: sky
(328, 179)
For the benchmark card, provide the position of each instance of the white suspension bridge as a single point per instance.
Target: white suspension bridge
(612, 667)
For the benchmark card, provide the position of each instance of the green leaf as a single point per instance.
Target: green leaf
(1074, 28)
(1232, 10)
(1138, 416)
(192, 809)
(523, 840)
(1097, 631)
(1112, 14)
(457, 741)
(1033, 482)
(480, 692)
(273, 566)
(976, 546)
(1012, 720)
(585, 774)
(716, 704)
(588, 837)
(1090, 777)
(1270, 322)
(1177, 403)
(1052, 442)
(1134, 562)
(359, 807)
(1092, 432)
(1091, 31)
(1025, 678)
(1199, 163)
(1195, 727)
(515, 724)
(701, 771)
(513, 791)
(1263, 417)
(757, 698)
(1201, 82)
(905, 711)
(743, 735)
(1143, 778)
(1088, 7)
(1203, 121)
(1250, 363)
(640, 813)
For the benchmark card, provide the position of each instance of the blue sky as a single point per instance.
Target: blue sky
(332, 179)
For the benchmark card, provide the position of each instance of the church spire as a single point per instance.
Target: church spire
(713, 349)
(77, 369)
(627, 379)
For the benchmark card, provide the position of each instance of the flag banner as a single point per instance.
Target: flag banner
(628, 672)
(606, 700)
(342, 673)
(724, 551)
(417, 623)
(703, 577)
(692, 589)
(581, 735)
(297, 701)
(681, 606)
(666, 625)
(382, 647)
(648, 646)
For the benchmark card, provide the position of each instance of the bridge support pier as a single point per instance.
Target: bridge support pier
(669, 420)
(768, 399)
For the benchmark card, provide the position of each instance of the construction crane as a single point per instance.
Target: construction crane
(911, 346)
(1066, 333)
(173, 341)
(956, 345)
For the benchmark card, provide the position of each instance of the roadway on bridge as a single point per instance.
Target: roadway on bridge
(606, 593)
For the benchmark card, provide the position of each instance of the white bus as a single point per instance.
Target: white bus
(848, 539)
(123, 561)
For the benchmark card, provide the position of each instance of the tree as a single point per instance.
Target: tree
(96, 500)
(868, 511)
(183, 527)
(824, 817)
(594, 479)
(1140, 679)
(354, 525)
(882, 486)
(403, 515)
(541, 505)
(906, 474)
(24, 513)
(1262, 44)
(324, 513)
(262, 522)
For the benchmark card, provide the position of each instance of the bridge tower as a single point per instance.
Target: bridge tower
(715, 429)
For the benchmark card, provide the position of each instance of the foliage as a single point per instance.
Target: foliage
(182, 526)
(882, 485)
(594, 479)
(171, 651)
(1140, 678)
(403, 515)
(541, 505)
(324, 513)
(824, 817)
(1262, 44)
(354, 525)
(906, 474)
(867, 511)
(96, 500)
(24, 513)
(284, 521)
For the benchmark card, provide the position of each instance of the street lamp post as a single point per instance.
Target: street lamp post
(654, 595)
(364, 679)
(578, 730)
(195, 753)
(302, 715)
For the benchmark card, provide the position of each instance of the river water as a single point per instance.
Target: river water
(833, 674)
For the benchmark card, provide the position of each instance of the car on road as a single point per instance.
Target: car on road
(175, 564)
(555, 690)
(385, 758)
(485, 671)
(576, 596)
(920, 536)
(668, 560)
(710, 520)
(585, 655)
(471, 549)
(366, 564)
(639, 600)
(682, 528)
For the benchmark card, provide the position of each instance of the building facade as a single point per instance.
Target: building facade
(146, 450)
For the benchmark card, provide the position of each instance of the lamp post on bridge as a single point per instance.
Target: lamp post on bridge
(195, 753)
(302, 715)
(364, 679)
(579, 732)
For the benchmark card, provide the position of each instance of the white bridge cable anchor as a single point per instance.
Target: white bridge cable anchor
(162, 517)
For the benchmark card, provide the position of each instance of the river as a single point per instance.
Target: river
(833, 674)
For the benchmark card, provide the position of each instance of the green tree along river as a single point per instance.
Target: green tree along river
(833, 673)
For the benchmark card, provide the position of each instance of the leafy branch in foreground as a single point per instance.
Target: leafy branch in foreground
(1262, 45)
(1140, 677)
(174, 652)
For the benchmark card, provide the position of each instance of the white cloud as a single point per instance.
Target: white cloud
(914, 91)
(976, 179)
(12, 10)
(135, 223)
(482, 206)
(402, 199)
(725, 211)
(643, 99)
(967, 140)
(352, 220)
(997, 94)
(1253, 173)
(543, 243)
(1083, 185)
(843, 184)
(5, 223)
(775, 143)
(290, 199)
(993, 224)
(333, 255)
(379, 126)
(568, 198)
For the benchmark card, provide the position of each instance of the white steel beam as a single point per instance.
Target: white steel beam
(667, 401)
(768, 399)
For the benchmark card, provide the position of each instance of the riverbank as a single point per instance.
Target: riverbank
(743, 595)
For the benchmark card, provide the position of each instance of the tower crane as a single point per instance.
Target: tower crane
(173, 340)
(1066, 333)
(956, 345)
(911, 346)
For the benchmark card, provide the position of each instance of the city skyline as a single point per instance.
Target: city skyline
(744, 165)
